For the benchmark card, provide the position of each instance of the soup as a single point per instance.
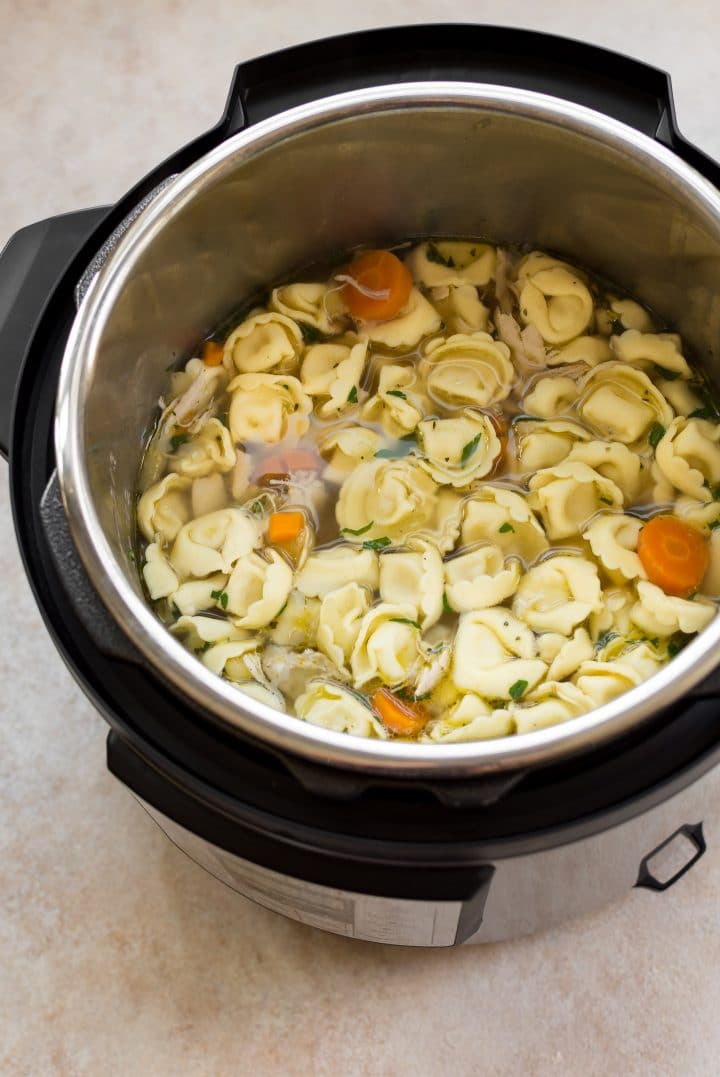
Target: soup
(446, 493)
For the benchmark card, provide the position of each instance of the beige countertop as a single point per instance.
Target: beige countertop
(120, 956)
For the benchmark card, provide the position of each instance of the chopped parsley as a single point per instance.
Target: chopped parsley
(409, 697)
(505, 528)
(715, 524)
(205, 647)
(221, 597)
(256, 507)
(606, 500)
(702, 413)
(517, 689)
(607, 637)
(360, 530)
(403, 447)
(376, 544)
(657, 433)
(434, 255)
(406, 621)
(676, 644)
(177, 440)
(663, 372)
(352, 397)
(447, 608)
(223, 418)
(470, 449)
(310, 333)
(396, 392)
(131, 554)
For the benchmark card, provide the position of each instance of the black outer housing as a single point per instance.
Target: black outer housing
(397, 837)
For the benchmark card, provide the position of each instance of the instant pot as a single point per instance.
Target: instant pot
(360, 139)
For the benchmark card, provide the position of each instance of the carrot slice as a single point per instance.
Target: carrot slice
(674, 555)
(212, 353)
(383, 274)
(301, 460)
(282, 465)
(405, 719)
(285, 527)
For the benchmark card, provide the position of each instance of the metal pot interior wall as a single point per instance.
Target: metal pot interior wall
(378, 178)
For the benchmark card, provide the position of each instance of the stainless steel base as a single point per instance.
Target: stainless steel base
(526, 894)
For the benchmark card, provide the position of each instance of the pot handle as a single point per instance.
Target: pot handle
(616, 85)
(31, 264)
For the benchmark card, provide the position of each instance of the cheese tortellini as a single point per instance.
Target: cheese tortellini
(264, 342)
(468, 369)
(688, 456)
(267, 407)
(429, 524)
(567, 495)
(554, 299)
(457, 451)
(558, 594)
(621, 403)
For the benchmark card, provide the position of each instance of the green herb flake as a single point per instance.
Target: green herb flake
(396, 392)
(505, 528)
(221, 597)
(692, 596)
(715, 524)
(447, 608)
(657, 433)
(433, 255)
(518, 689)
(352, 397)
(606, 500)
(607, 637)
(377, 544)
(360, 530)
(205, 647)
(663, 372)
(710, 402)
(177, 440)
(470, 449)
(310, 333)
(405, 621)
(131, 555)
(223, 418)
(676, 644)
(702, 413)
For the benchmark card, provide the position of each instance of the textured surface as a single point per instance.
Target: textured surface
(118, 955)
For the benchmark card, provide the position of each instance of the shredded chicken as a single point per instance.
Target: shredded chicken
(433, 672)
(525, 344)
(503, 289)
(289, 671)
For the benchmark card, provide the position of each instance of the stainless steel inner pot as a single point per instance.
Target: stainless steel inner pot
(369, 167)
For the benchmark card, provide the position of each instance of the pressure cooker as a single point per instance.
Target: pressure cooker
(360, 139)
